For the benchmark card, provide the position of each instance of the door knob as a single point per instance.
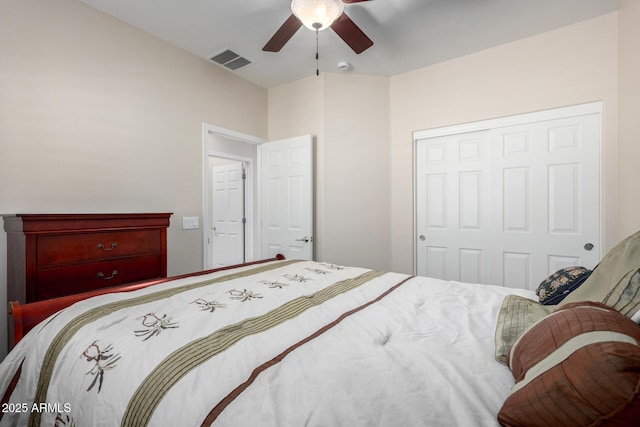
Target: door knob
(588, 246)
(305, 239)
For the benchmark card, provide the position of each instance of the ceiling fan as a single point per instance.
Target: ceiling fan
(319, 15)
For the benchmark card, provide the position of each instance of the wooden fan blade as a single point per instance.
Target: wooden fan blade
(284, 33)
(351, 34)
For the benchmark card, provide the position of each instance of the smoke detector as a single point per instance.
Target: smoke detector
(344, 66)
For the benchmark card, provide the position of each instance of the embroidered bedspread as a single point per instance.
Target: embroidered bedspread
(288, 343)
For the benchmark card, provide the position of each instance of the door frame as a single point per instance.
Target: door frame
(554, 113)
(252, 235)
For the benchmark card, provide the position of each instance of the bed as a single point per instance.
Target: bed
(283, 342)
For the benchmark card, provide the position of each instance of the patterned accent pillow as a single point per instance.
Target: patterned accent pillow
(578, 366)
(516, 315)
(556, 287)
(614, 281)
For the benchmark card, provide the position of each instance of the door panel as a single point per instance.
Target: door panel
(287, 198)
(516, 199)
(511, 204)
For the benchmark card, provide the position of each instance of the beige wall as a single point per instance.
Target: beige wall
(629, 116)
(568, 66)
(97, 116)
(349, 116)
(356, 171)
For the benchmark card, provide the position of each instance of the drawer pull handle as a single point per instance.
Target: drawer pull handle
(114, 273)
(113, 246)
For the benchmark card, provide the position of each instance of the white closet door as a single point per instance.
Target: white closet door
(453, 197)
(511, 204)
(547, 179)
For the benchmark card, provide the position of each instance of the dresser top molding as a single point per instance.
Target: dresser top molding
(61, 223)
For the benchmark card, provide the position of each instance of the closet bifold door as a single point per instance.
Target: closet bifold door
(509, 201)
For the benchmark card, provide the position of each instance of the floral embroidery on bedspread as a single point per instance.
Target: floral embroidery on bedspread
(246, 295)
(154, 325)
(274, 284)
(102, 360)
(243, 295)
(297, 278)
(209, 306)
(64, 420)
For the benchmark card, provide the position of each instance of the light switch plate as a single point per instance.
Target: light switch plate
(190, 223)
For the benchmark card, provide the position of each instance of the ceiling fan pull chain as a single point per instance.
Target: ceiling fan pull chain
(317, 56)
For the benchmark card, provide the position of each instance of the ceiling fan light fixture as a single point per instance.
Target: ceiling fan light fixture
(317, 14)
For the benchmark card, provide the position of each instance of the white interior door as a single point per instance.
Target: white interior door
(511, 204)
(453, 206)
(286, 201)
(547, 179)
(227, 211)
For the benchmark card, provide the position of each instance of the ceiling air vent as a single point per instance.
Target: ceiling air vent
(229, 59)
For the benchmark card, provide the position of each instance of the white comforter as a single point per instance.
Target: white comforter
(342, 346)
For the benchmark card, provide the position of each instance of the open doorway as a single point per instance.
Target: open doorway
(278, 194)
(229, 226)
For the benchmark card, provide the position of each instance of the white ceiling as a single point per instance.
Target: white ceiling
(407, 34)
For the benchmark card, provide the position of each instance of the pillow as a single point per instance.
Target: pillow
(556, 287)
(516, 315)
(615, 281)
(578, 366)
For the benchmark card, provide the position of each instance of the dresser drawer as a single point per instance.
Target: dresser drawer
(54, 282)
(57, 249)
